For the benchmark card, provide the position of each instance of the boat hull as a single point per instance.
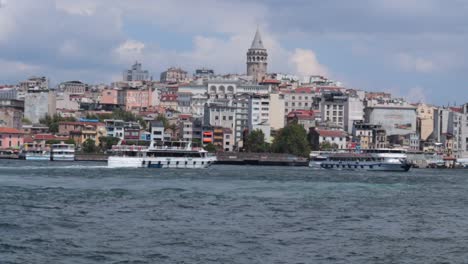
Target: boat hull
(160, 162)
(365, 166)
(63, 157)
(41, 158)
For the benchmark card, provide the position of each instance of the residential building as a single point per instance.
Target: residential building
(115, 128)
(173, 75)
(259, 115)
(73, 87)
(158, 132)
(277, 111)
(302, 98)
(219, 115)
(332, 108)
(11, 138)
(35, 83)
(368, 136)
(82, 131)
(334, 138)
(305, 118)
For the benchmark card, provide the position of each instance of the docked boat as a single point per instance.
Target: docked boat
(63, 152)
(32, 151)
(369, 160)
(180, 155)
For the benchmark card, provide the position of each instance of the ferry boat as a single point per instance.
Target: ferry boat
(32, 151)
(369, 160)
(63, 152)
(166, 154)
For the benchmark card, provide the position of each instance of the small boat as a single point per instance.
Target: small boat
(63, 152)
(369, 160)
(167, 154)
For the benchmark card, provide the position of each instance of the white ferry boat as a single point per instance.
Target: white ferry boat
(32, 151)
(369, 159)
(63, 152)
(178, 155)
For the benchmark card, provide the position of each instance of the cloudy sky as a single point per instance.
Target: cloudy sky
(412, 48)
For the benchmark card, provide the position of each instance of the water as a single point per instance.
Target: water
(86, 213)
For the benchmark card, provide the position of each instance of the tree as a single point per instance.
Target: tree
(106, 143)
(53, 121)
(26, 121)
(210, 147)
(292, 139)
(164, 120)
(326, 145)
(89, 146)
(255, 142)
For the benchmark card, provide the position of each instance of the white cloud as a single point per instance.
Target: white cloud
(130, 47)
(410, 63)
(74, 7)
(306, 63)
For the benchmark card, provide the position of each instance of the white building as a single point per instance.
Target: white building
(218, 115)
(259, 115)
(396, 116)
(354, 111)
(38, 104)
(332, 108)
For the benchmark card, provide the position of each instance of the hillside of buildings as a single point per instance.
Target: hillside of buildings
(226, 113)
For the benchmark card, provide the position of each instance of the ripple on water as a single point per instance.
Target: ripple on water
(228, 214)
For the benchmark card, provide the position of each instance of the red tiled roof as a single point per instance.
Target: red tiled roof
(10, 130)
(302, 114)
(44, 137)
(82, 123)
(185, 116)
(272, 81)
(330, 133)
(456, 109)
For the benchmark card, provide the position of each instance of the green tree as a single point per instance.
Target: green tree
(26, 121)
(292, 139)
(70, 141)
(89, 146)
(210, 147)
(53, 121)
(106, 143)
(255, 142)
(326, 145)
(164, 120)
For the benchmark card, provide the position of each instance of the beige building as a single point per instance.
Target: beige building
(425, 121)
(277, 111)
(174, 75)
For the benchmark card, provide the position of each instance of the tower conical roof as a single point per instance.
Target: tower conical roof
(257, 43)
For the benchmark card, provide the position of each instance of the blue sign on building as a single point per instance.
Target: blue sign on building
(89, 120)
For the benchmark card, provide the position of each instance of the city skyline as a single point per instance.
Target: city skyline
(412, 49)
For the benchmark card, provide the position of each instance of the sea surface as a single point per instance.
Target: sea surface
(53, 212)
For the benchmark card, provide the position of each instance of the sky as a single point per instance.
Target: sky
(411, 48)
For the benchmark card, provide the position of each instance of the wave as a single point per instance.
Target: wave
(52, 167)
